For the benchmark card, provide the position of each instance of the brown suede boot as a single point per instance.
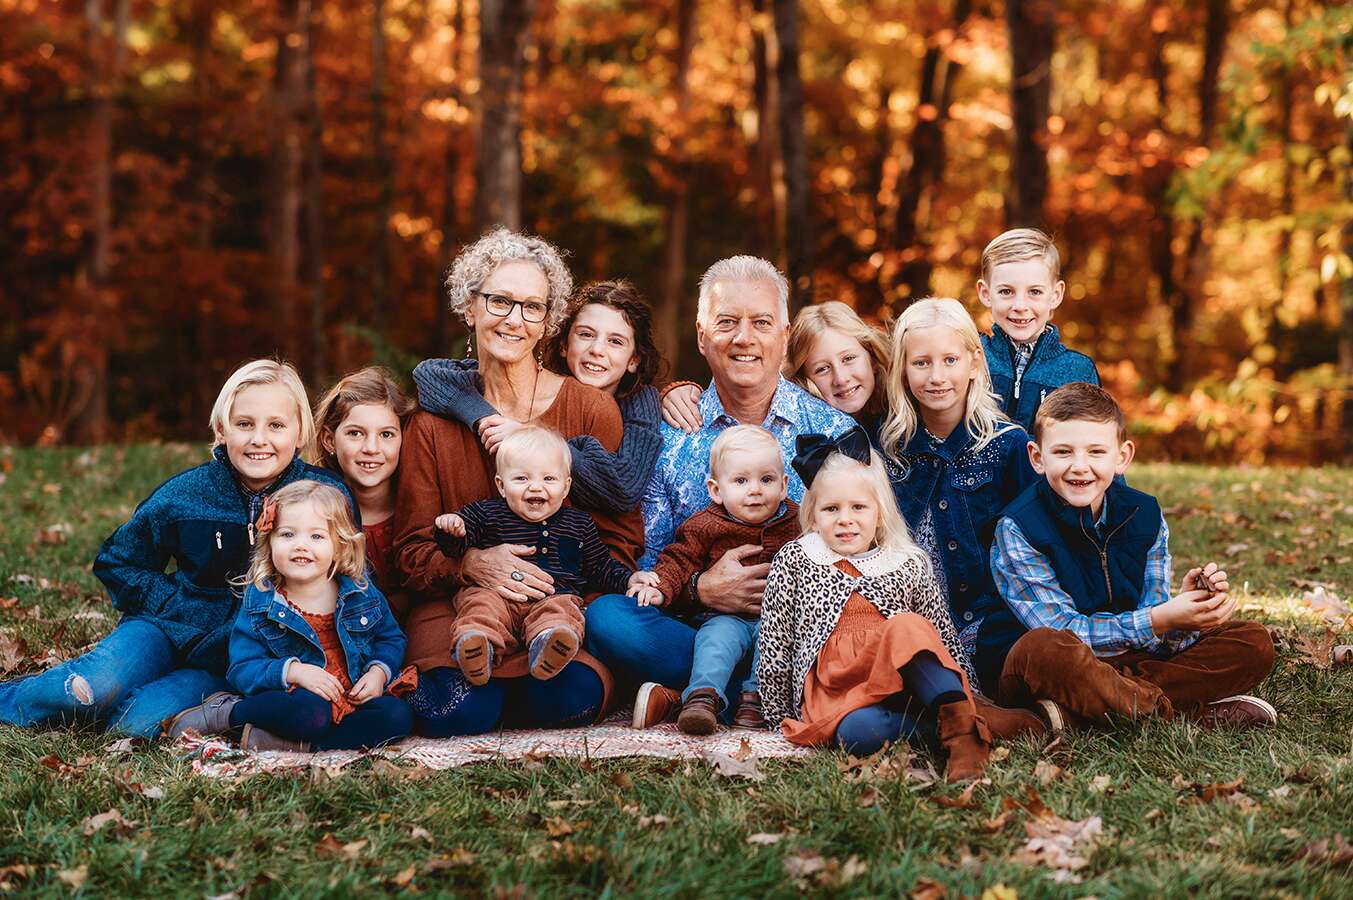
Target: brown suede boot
(967, 740)
(699, 712)
(748, 714)
(1006, 724)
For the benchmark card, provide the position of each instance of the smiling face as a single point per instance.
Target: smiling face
(261, 433)
(302, 544)
(508, 339)
(367, 445)
(534, 485)
(1022, 296)
(599, 350)
(841, 370)
(846, 512)
(1080, 459)
(743, 335)
(749, 483)
(939, 369)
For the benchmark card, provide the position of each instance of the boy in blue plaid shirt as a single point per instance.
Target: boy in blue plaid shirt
(1083, 564)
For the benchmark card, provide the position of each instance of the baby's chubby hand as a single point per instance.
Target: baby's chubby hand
(643, 587)
(450, 523)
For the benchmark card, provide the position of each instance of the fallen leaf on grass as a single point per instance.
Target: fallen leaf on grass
(11, 875)
(124, 745)
(744, 751)
(404, 877)
(1328, 851)
(74, 878)
(1206, 793)
(420, 833)
(458, 857)
(13, 654)
(1061, 845)
(121, 826)
(1323, 601)
(991, 826)
(868, 798)
(1046, 772)
(1000, 753)
(656, 821)
(825, 872)
(1000, 891)
(963, 800)
(1318, 651)
(1101, 784)
(764, 839)
(1281, 791)
(61, 767)
(329, 846)
(925, 889)
(729, 766)
(622, 780)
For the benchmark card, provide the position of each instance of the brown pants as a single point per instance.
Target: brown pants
(1056, 665)
(511, 625)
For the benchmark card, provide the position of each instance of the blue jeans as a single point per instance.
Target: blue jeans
(642, 643)
(130, 683)
(302, 716)
(724, 646)
(445, 704)
(909, 714)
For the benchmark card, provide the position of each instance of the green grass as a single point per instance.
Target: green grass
(568, 828)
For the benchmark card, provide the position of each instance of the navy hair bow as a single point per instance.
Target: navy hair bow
(813, 450)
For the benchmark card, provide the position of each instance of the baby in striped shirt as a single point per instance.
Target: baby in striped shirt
(533, 479)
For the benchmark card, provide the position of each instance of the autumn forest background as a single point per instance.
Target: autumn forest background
(189, 184)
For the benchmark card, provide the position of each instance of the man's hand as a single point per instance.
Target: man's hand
(492, 430)
(492, 568)
(450, 523)
(316, 680)
(369, 686)
(728, 586)
(681, 408)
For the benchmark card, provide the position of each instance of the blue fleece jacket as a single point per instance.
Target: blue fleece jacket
(201, 520)
(1052, 365)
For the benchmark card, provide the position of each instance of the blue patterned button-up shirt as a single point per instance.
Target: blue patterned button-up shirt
(677, 489)
(1029, 586)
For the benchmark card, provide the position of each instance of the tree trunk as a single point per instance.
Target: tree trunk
(455, 162)
(287, 167)
(314, 210)
(1158, 177)
(793, 143)
(667, 317)
(504, 26)
(200, 25)
(767, 161)
(380, 153)
(927, 157)
(1346, 333)
(1033, 27)
(1287, 201)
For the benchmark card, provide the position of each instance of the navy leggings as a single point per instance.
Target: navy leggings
(929, 686)
(445, 704)
(300, 715)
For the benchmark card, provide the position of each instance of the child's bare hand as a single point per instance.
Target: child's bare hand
(647, 596)
(316, 680)
(369, 686)
(492, 430)
(1192, 611)
(450, 523)
(643, 579)
(1215, 580)
(681, 408)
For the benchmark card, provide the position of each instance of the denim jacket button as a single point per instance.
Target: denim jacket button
(953, 545)
(944, 504)
(281, 614)
(362, 620)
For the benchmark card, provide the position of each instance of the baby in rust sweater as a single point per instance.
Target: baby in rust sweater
(747, 487)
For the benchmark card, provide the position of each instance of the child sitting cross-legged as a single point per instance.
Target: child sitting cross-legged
(533, 478)
(748, 509)
(1083, 561)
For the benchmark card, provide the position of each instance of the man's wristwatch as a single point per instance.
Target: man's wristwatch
(693, 590)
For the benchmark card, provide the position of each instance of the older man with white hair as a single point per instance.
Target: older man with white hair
(741, 326)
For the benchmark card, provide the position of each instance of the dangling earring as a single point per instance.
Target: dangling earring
(469, 344)
(540, 354)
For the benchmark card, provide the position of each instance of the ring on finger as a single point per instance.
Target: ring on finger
(518, 576)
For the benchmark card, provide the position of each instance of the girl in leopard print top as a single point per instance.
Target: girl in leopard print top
(856, 642)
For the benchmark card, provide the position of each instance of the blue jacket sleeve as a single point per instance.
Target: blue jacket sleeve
(252, 668)
(615, 482)
(449, 388)
(132, 561)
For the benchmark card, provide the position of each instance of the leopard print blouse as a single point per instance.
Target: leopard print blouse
(805, 594)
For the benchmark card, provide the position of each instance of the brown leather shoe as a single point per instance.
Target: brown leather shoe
(1006, 724)
(255, 738)
(748, 714)
(967, 740)
(699, 712)
(474, 655)
(1240, 711)
(654, 704)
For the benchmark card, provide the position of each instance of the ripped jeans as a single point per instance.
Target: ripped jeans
(130, 683)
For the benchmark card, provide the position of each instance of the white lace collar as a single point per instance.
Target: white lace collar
(880, 562)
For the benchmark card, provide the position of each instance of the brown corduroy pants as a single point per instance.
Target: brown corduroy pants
(511, 625)
(1056, 665)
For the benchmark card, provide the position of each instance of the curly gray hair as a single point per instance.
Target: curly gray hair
(476, 263)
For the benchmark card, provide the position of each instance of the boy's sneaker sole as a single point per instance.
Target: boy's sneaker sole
(1240, 711)
(1057, 721)
(654, 704)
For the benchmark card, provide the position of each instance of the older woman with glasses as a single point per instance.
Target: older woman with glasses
(511, 290)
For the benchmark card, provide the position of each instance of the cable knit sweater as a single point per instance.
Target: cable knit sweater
(805, 594)
(602, 480)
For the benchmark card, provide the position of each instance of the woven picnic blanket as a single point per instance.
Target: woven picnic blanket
(609, 739)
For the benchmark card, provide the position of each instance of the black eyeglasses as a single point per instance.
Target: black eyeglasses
(501, 306)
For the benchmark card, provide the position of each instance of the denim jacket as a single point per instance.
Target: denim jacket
(269, 634)
(951, 496)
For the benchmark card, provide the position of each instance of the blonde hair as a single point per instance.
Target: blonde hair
(893, 535)
(1019, 245)
(349, 542)
(982, 412)
(373, 385)
(742, 437)
(809, 325)
(532, 440)
(252, 374)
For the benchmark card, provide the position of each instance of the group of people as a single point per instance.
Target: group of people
(848, 536)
